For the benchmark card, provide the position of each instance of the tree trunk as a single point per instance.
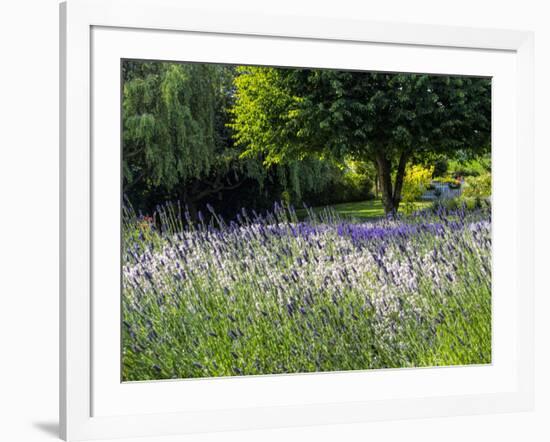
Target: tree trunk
(391, 194)
(399, 178)
(384, 172)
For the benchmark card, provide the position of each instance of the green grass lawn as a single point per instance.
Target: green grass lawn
(361, 210)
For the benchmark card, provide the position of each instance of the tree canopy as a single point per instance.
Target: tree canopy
(387, 119)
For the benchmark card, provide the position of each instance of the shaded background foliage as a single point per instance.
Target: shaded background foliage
(247, 136)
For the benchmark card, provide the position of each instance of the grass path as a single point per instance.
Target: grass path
(360, 210)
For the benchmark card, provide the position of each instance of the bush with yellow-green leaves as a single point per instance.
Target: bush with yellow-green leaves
(416, 181)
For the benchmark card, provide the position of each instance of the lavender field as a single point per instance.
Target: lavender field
(270, 294)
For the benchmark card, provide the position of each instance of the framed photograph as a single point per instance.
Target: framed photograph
(274, 221)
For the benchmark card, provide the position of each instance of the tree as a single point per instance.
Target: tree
(175, 137)
(387, 119)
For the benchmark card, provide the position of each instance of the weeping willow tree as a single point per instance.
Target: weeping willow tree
(164, 142)
(177, 143)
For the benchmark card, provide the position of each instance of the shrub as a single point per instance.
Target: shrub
(468, 203)
(474, 167)
(416, 181)
(441, 167)
(478, 187)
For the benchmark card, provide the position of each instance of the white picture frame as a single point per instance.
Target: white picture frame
(95, 34)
